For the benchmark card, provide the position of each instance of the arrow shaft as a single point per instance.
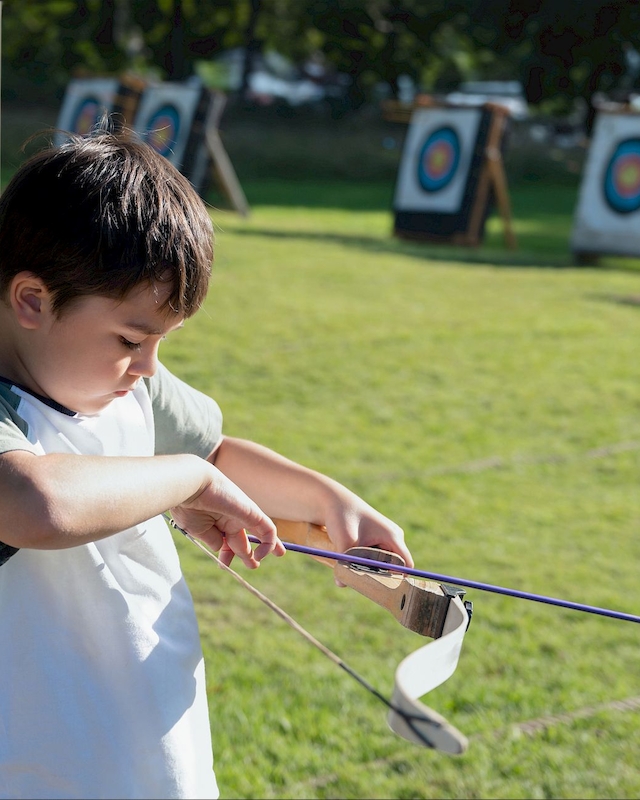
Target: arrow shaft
(471, 584)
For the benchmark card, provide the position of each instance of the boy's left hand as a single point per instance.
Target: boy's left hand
(358, 524)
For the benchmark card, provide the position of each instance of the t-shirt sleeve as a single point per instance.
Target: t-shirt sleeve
(186, 420)
(13, 429)
(13, 436)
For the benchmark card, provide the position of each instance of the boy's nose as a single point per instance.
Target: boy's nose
(145, 363)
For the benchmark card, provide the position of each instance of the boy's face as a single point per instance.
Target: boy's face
(99, 348)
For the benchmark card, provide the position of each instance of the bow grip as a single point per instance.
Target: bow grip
(419, 605)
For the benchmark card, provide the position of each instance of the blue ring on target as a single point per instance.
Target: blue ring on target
(438, 159)
(622, 178)
(86, 115)
(162, 129)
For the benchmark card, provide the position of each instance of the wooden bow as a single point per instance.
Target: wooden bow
(426, 607)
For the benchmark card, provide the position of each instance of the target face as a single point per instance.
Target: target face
(163, 128)
(622, 178)
(438, 159)
(607, 217)
(84, 102)
(86, 115)
(165, 118)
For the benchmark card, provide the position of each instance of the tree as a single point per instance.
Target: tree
(560, 51)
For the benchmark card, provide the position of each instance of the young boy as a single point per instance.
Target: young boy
(104, 250)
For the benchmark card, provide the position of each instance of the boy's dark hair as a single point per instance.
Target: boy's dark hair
(99, 215)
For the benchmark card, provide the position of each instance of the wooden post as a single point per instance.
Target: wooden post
(223, 171)
(495, 166)
(128, 97)
(493, 177)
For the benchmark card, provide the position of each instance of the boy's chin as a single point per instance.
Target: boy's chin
(93, 406)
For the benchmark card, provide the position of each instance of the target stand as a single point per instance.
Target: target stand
(221, 167)
(450, 171)
(180, 121)
(607, 216)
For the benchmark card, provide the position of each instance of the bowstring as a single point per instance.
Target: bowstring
(410, 719)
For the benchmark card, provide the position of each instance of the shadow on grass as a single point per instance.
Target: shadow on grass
(346, 195)
(542, 215)
(529, 199)
(484, 255)
(618, 299)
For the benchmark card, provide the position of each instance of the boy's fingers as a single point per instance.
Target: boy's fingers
(237, 544)
(267, 533)
(264, 548)
(227, 535)
(269, 541)
(226, 554)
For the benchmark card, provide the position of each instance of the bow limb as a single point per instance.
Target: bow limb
(426, 607)
(419, 673)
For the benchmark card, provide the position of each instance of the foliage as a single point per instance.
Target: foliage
(560, 52)
(556, 52)
(46, 42)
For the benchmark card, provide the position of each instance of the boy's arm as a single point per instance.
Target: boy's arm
(288, 490)
(59, 500)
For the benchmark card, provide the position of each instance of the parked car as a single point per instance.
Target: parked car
(273, 77)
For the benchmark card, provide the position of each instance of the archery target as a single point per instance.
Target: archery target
(607, 216)
(436, 159)
(165, 118)
(163, 128)
(86, 115)
(85, 101)
(622, 177)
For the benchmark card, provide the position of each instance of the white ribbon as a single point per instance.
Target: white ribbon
(421, 672)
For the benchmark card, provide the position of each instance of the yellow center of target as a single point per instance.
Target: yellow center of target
(629, 176)
(438, 159)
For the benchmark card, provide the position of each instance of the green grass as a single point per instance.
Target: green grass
(489, 402)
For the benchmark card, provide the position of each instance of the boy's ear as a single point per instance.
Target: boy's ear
(30, 300)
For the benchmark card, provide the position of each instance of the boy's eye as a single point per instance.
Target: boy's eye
(130, 345)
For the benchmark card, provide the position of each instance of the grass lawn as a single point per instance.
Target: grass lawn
(489, 402)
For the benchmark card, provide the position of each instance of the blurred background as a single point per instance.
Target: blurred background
(312, 86)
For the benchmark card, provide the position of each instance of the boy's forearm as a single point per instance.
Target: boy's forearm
(281, 487)
(285, 489)
(60, 500)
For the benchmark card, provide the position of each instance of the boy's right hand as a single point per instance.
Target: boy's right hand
(221, 514)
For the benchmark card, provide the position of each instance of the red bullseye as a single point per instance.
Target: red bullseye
(438, 159)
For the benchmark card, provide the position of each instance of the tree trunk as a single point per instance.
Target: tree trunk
(251, 46)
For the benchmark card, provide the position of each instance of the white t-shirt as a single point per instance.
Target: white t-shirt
(102, 688)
